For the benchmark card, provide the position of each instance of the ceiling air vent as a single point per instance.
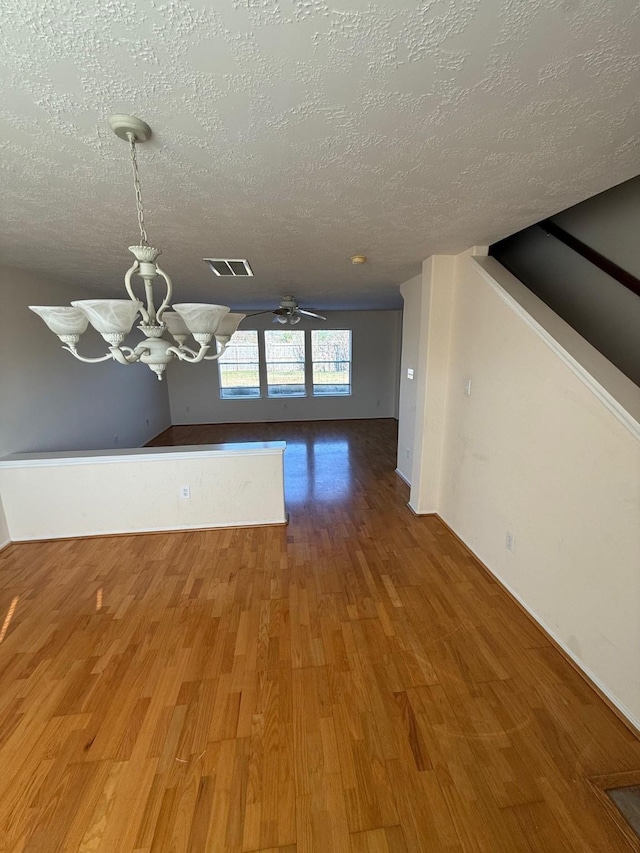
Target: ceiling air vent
(229, 266)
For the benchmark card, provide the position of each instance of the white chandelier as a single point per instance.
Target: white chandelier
(114, 318)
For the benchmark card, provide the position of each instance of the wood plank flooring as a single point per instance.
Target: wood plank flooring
(352, 682)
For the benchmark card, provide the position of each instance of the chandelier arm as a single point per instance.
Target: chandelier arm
(186, 349)
(132, 296)
(126, 355)
(218, 354)
(167, 299)
(197, 357)
(74, 352)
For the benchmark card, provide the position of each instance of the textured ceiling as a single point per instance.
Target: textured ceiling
(299, 132)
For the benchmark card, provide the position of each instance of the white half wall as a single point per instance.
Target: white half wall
(58, 495)
(543, 449)
(51, 401)
(194, 391)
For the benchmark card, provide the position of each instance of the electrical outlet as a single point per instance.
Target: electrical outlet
(115, 440)
(407, 452)
(185, 492)
(510, 541)
(409, 372)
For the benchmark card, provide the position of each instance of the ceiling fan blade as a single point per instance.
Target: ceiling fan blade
(258, 313)
(311, 314)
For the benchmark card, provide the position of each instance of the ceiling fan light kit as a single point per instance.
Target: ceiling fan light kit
(289, 312)
(358, 259)
(114, 318)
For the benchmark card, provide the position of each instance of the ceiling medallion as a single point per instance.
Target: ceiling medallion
(114, 318)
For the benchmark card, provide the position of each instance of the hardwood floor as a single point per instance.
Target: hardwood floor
(352, 682)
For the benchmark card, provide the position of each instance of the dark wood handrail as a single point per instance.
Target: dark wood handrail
(624, 277)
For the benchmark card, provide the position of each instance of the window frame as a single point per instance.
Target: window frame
(221, 364)
(303, 363)
(307, 364)
(348, 361)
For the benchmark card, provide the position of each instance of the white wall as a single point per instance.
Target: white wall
(433, 356)
(542, 450)
(411, 323)
(50, 401)
(195, 397)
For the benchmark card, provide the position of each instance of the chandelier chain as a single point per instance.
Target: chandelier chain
(138, 189)
(212, 326)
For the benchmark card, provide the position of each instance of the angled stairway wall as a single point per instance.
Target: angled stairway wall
(547, 448)
(599, 307)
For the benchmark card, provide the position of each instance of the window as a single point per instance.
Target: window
(239, 367)
(285, 356)
(331, 361)
(292, 363)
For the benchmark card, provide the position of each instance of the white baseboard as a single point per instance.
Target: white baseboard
(580, 664)
(423, 512)
(635, 721)
(4, 545)
(149, 530)
(402, 477)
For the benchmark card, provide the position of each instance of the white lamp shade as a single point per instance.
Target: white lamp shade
(174, 322)
(62, 320)
(295, 318)
(110, 316)
(201, 319)
(229, 324)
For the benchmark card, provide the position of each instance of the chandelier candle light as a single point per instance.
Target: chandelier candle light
(114, 318)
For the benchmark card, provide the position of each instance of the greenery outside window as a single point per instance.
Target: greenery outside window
(286, 363)
(331, 362)
(285, 360)
(239, 367)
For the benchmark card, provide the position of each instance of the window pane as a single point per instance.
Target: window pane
(331, 356)
(238, 367)
(284, 351)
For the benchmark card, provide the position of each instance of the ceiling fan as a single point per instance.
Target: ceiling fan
(289, 312)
